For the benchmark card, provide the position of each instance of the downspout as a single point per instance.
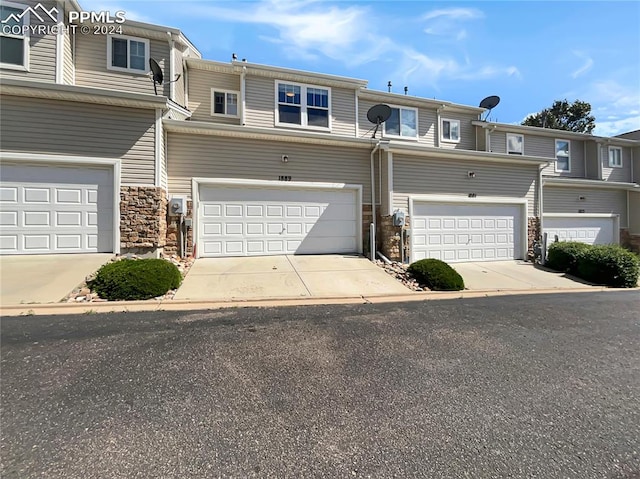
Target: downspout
(442, 107)
(543, 246)
(490, 129)
(599, 155)
(172, 68)
(633, 180)
(243, 89)
(372, 238)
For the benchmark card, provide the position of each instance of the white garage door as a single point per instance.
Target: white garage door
(55, 209)
(590, 230)
(460, 232)
(272, 220)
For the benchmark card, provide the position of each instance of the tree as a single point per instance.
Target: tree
(566, 116)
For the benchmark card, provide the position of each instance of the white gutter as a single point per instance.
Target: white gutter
(243, 96)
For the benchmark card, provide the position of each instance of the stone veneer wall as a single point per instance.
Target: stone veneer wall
(143, 219)
(629, 241)
(172, 246)
(389, 237)
(533, 229)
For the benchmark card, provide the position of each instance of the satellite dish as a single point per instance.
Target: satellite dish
(489, 103)
(157, 76)
(378, 114)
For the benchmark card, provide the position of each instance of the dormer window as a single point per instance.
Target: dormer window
(303, 106)
(224, 103)
(450, 130)
(127, 54)
(515, 144)
(14, 38)
(403, 123)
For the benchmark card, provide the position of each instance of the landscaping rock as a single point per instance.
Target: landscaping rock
(399, 272)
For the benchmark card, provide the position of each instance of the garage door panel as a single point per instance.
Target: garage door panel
(56, 209)
(462, 232)
(590, 230)
(243, 221)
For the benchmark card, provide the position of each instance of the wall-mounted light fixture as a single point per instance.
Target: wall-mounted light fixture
(285, 159)
(582, 198)
(471, 174)
(581, 211)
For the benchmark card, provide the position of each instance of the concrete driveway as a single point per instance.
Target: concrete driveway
(513, 275)
(26, 279)
(263, 277)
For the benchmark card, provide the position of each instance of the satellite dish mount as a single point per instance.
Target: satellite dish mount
(489, 103)
(157, 76)
(377, 115)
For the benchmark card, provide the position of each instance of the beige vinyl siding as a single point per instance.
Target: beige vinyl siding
(634, 211)
(635, 156)
(546, 147)
(42, 50)
(200, 84)
(178, 68)
(215, 157)
(260, 100)
(481, 139)
(498, 142)
(425, 176)
(467, 130)
(91, 66)
(69, 128)
(591, 160)
(616, 174)
(566, 200)
(426, 123)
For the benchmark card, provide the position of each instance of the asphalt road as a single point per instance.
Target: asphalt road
(530, 386)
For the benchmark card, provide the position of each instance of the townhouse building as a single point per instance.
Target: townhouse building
(236, 158)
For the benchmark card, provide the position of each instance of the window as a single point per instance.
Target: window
(224, 103)
(127, 54)
(451, 130)
(302, 105)
(515, 144)
(563, 156)
(615, 157)
(403, 123)
(14, 39)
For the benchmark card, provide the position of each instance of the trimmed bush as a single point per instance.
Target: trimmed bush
(436, 275)
(609, 264)
(136, 279)
(563, 256)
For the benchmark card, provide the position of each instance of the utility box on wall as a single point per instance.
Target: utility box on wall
(398, 218)
(177, 206)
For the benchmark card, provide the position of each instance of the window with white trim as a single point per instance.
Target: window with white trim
(303, 105)
(127, 54)
(450, 130)
(14, 38)
(615, 157)
(403, 123)
(563, 156)
(224, 103)
(515, 144)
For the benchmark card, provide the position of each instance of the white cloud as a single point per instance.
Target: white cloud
(454, 14)
(616, 127)
(586, 66)
(445, 22)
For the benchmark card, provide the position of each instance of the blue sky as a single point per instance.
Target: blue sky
(528, 53)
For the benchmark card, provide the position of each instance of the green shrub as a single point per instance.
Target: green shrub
(436, 275)
(563, 256)
(609, 264)
(136, 279)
